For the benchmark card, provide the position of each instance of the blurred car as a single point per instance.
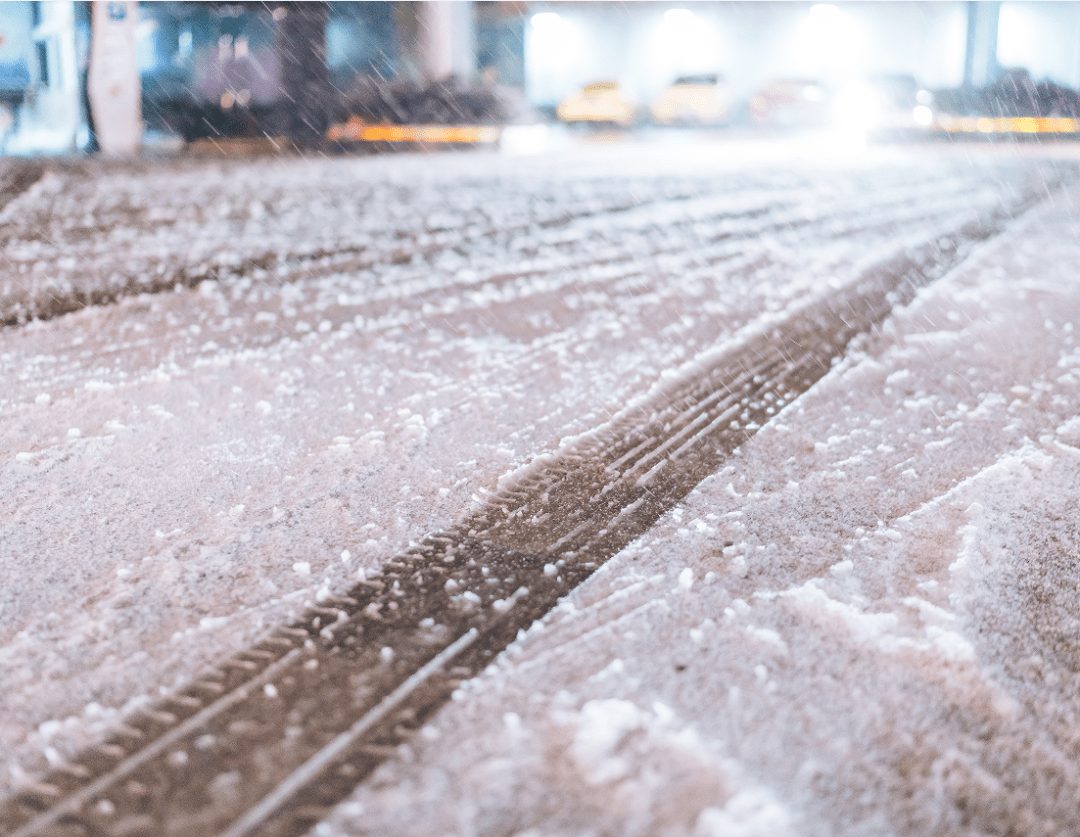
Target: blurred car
(790, 103)
(885, 105)
(1014, 104)
(597, 103)
(1013, 94)
(693, 100)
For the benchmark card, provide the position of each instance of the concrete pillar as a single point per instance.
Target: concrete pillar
(980, 60)
(305, 78)
(113, 84)
(446, 31)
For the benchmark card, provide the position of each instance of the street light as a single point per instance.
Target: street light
(829, 44)
(552, 47)
(679, 17)
(684, 43)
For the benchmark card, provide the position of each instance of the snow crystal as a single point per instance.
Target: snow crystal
(750, 813)
(602, 725)
(210, 623)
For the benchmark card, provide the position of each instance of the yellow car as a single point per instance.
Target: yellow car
(693, 100)
(600, 102)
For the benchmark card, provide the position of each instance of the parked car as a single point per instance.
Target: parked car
(602, 102)
(791, 103)
(693, 100)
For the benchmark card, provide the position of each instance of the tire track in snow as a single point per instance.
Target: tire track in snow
(277, 734)
(102, 281)
(79, 266)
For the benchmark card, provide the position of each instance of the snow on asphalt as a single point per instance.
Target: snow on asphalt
(356, 350)
(866, 623)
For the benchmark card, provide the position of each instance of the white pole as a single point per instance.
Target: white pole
(447, 39)
(113, 77)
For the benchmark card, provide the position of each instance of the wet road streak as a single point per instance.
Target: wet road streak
(287, 729)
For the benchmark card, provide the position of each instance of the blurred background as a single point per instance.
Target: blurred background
(125, 77)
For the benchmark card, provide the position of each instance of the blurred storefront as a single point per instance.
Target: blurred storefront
(43, 57)
(209, 69)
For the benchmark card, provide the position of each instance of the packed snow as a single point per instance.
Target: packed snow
(860, 625)
(864, 624)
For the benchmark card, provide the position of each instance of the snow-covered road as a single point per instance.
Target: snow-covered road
(864, 624)
(356, 350)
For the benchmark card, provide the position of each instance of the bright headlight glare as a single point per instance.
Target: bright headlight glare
(922, 115)
(857, 108)
(545, 20)
(680, 17)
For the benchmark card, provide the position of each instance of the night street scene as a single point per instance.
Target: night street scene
(539, 419)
